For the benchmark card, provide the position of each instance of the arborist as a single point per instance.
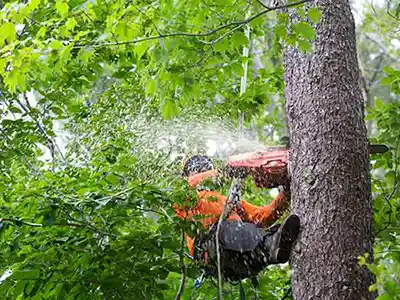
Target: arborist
(247, 245)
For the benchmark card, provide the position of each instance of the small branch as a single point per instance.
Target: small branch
(377, 71)
(262, 4)
(213, 10)
(114, 195)
(21, 222)
(287, 293)
(51, 144)
(149, 19)
(17, 222)
(388, 3)
(381, 47)
(183, 267)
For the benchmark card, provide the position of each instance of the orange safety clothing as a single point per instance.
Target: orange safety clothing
(211, 204)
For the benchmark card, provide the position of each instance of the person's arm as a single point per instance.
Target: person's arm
(198, 178)
(268, 214)
(190, 244)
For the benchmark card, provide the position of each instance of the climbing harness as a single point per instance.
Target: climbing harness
(201, 248)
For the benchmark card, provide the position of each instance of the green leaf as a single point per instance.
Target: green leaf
(283, 18)
(239, 39)
(379, 163)
(141, 48)
(27, 274)
(291, 39)
(388, 70)
(280, 31)
(161, 55)
(305, 46)
(386, 80)
(41, 33)
(128, 160)
(384, 296)
(113, 179)
(62, 8)
(11, 80)
(3, 63)
(314, 14)
(55, 45)
(29, 287)
(169, 110)
(65, 53)
(390, 178)
(222, 46)
(85, 55)
(305, 30)
(33, 4)
(8, 32)
(70, 24)
(19, 287)
(14, 109)
(151, 87)
(379, 105)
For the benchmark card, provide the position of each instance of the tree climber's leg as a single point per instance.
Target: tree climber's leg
(278, 242)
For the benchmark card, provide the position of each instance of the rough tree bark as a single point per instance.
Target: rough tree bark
(329, 161)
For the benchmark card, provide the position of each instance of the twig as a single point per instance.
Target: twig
(51, 144)
(287, 293)
(213, 10)
(149, 19)
(183, 267)
(19, 222)
(262, 4)
(114, 195)
(236, 25)
(381, 47)
(389, 13)
(377, 70)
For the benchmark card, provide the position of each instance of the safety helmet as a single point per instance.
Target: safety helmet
(197, 164)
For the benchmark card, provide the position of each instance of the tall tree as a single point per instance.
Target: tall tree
(329, 160)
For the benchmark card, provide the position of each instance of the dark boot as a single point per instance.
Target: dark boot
(279, 243)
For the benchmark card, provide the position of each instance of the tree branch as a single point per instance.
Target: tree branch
(377, 71)
(234, 25)
(51, 144)
(183, 267)
(21, 222)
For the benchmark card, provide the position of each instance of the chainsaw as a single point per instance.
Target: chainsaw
(269, 168)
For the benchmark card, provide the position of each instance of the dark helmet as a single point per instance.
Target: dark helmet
(197, 164)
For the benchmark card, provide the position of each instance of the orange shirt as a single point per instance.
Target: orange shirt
(211, 204)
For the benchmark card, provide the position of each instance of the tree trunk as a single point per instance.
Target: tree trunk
(329, 161)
